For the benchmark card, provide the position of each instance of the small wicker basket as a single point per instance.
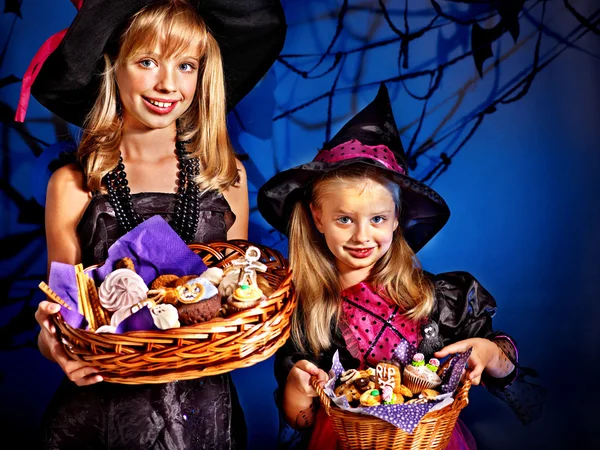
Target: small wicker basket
(210, 348)
(364, 432)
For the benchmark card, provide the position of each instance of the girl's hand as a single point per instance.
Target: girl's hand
(78, 372)
(485, 355)
(298, 405)
(299, 378)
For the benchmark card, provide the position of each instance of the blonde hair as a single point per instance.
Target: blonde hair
(397, 275)
(176, 25)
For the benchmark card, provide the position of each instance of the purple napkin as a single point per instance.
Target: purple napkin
(140, 320)
(404, 352)
(402, 416)
(452, 376)
(62, 280)
(73, 318)
(155, 249)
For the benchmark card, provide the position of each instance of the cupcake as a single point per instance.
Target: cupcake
(199, 301)
(245, 296)
(417, 376)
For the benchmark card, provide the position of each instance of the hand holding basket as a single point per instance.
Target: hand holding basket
(360, 431)
(209, 348)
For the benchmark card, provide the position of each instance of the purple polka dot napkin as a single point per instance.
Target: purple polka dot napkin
(452, 376)
(403, 416)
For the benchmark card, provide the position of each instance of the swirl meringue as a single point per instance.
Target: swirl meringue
(121, 288)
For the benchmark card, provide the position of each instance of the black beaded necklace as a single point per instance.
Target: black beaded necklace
(185, 219)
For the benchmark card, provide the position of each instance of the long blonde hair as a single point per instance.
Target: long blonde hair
(397, 275)
(176, 25)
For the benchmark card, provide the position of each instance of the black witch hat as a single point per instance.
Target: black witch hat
(250, 34)
(370, 138)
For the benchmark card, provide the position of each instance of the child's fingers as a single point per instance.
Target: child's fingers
(48, 335)
(49, 326)
(475, 381)
(56, 350)
(43, 313)
(322, 377)
(476, 369)
(308, 367)
(460, 346)
(83, 375)
(78, 372)
(46, 307)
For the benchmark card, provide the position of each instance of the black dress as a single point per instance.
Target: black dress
(463, 309)
(204, 413)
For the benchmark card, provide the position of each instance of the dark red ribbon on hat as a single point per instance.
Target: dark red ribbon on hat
(35, 66)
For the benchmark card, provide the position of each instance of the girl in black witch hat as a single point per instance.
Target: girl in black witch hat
(355, 220)
(150, 85)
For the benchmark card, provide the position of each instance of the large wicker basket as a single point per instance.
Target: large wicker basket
(209, 348)
(360, 431)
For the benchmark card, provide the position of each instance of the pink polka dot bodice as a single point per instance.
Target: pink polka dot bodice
(375, 326)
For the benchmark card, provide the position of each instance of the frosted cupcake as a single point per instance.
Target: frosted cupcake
(244, 297)
(418, 376)
(199, 301)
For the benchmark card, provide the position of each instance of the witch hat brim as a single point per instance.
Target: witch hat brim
(250, 34)
(364, 140)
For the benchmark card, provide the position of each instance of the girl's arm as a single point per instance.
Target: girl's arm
(485, 356)
(66, 200)
(464, 311)
(298, 395)
(237, 197)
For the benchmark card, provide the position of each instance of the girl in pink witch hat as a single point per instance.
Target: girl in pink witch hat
(355, 220)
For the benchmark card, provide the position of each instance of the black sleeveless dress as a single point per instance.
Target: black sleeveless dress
(204, 413)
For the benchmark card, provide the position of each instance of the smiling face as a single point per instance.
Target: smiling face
(358, 221)
(156, 87)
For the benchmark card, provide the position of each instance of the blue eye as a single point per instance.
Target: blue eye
(378, 219)
(147, 63)
(186, 67)
(344, 220)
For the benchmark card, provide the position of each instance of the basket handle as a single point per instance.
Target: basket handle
(325, 400)
(462, 398)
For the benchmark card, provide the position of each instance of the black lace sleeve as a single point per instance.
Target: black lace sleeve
(464, 309)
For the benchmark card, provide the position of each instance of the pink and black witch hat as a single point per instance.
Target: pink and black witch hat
(370, 138)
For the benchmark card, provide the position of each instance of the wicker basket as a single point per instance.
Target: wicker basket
(361, 431)
(210, 348)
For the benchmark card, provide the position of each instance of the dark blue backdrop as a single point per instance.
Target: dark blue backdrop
(503, 125)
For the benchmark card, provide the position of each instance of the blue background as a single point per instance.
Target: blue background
(523, 188)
